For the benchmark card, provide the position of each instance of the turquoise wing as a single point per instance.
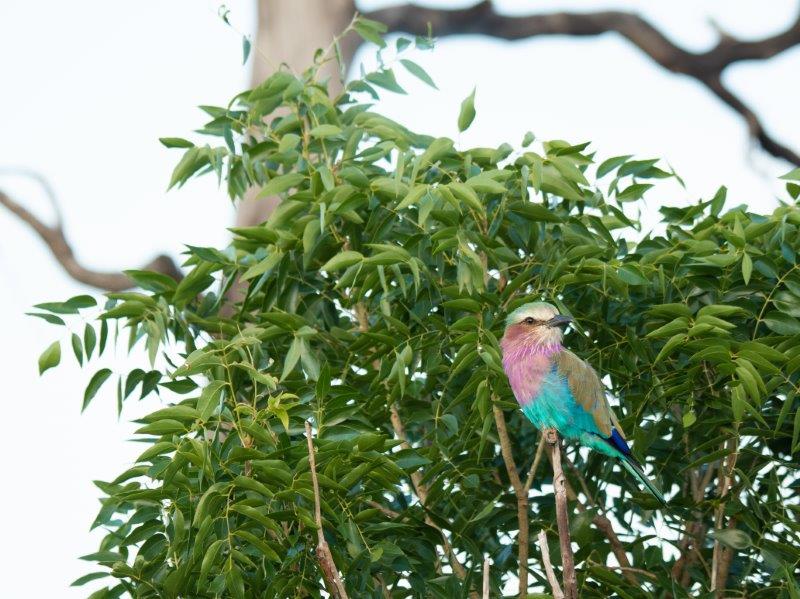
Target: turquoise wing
(556, 406)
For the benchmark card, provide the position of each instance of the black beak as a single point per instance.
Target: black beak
(559, 320)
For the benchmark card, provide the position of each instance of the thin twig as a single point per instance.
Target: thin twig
(548, 566)
(330, 573)
(485, 593)
(562, 516)
(629, 570)
(537, 458)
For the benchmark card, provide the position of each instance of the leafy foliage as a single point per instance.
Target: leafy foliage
(371, 302)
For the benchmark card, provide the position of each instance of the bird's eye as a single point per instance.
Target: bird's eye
(529, 320)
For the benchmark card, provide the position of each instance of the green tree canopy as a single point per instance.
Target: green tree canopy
(370, 305)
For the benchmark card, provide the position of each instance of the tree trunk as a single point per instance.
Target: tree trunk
(289, 31)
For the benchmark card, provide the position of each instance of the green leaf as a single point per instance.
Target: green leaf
(89, 340)
(50, 357)
(89, 578)
(192, 161)
(322, 131)
(309, 361)
(264, 266)
(342, 260)
(51, 318)
(633, 192)
(71, 306)
(288, 142)
(385, 79)
(246, 46)
(718, 201)
(175, 142)
(418, 72)
(193, 284)
(292, 356)
(103, 557)
(528, 139)
(783, 324)
(100, 377)
(484, 184)
(631, 275)
(77, 348)
(535, 212)
(733, 538)
(280, 184)
(413, 196)
(747, 268)
(612, 163)
(103, 337)
(467, 113)
(465, 304)
(792, 175)
(669, 346)
(370, 30)
(209, 399)
(162, 427)
(208, 560)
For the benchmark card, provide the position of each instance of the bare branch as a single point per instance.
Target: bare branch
(603, 524)
(55, 239)
(537, 458)
(562, 516)
(705, 67)
(720, 562)
(548, 566)
(329, 571)
(485, 593)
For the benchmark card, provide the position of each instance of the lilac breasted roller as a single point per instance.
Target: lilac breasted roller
(556, 389)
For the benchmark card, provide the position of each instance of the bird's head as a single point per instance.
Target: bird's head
(537, 324)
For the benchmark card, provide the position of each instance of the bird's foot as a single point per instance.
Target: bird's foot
(551, 436)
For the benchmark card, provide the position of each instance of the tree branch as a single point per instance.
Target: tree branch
(719, 560)
(522, 498)
(754, 125)
(55, 239)
(548, 567)
(705, 67)
(601, 522)
(416, 478)
(562, 516)
(422, 492)
(485, 589)
(329, 571)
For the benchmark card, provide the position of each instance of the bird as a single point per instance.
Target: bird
(558, 390)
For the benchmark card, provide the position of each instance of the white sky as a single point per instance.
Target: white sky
(89, 86)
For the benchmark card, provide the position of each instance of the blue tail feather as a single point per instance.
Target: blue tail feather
(630, 463)
(617, 442)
